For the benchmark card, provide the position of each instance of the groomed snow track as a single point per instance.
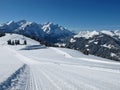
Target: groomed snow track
(54, 69)
(63, 76)
(17, 80)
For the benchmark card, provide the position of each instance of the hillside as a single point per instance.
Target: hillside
(37, 67)
(105, 44)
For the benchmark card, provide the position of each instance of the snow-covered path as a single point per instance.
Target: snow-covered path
(43, 68)
(48, 73)
(8, 64)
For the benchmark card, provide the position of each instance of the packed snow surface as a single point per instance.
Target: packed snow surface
(49, 68)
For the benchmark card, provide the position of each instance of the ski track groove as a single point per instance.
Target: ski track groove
(89, 79)
(81, 78)
(48, 77)
(72, 82)
(35, 81)
(28, 80)
(66, 84)
(53, 76)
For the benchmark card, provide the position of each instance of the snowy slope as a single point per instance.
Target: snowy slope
(3, 40)
(49, 68)
(7, 64)
(100, 43)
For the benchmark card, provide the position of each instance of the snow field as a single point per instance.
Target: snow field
(56, 68)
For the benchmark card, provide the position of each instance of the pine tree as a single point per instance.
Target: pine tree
(86, 51)
(25, 42)
(9, 42)
(18, 42)
(13, 43)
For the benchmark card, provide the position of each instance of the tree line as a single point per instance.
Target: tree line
(16, 42)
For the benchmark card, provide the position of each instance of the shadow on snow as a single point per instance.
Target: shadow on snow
(32, 47)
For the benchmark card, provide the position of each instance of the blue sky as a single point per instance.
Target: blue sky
(74, 14)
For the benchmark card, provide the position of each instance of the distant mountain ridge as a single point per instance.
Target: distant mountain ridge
(100, 43)
(49, 31)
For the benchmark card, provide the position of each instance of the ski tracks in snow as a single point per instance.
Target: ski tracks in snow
(51, 76)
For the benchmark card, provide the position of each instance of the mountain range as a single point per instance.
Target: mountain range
(100, 43)
(49, 31)
(103, 43)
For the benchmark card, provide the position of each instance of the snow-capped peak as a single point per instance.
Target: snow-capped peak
(25, 25)
(51, 28)
(117, 32)
(46, 27)
(21, 22)
(10, 22)
(86, 34)
(89, 34)
(110, 33)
